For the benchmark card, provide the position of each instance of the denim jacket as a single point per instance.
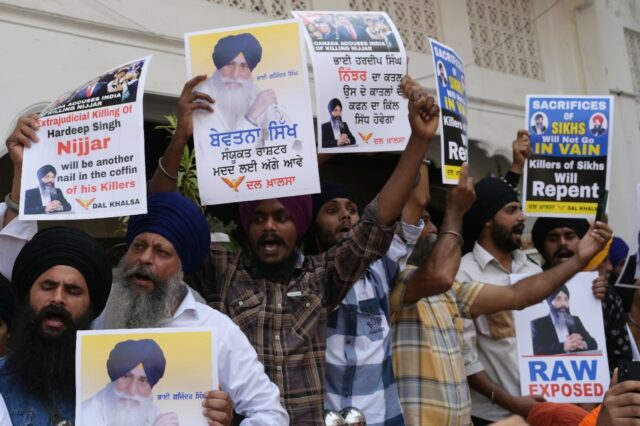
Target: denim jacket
(27, 410)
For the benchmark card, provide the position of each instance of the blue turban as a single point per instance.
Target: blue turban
(180, 221)
(42, 171)
(563, 289)
(618, 251)
(333, 103)
(231, 46)
(126, 355)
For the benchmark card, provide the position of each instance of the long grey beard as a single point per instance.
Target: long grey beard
(233, 102)
(128, 308)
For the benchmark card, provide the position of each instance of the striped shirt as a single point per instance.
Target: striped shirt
(427, 355)
(359, 369)
(286, 321)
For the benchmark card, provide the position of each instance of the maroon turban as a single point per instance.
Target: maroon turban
(298, 207)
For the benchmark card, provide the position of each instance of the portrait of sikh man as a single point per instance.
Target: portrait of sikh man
(46, 198)
(135, 367)
(239, 103)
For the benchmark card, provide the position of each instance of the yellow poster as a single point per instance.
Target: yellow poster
(138, 377)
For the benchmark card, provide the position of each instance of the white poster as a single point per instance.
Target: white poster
(89, 161)
(258, 141)
(358, 61)
(561, 344)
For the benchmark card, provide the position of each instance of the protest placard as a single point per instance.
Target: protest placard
(139, 376)
(258, 142)
(630, 274)
(358, 61)
(570, 164)
(89, 161)
(562, 352)
(452, 95)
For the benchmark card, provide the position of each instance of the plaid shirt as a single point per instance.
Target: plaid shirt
(359, 367)
(286, 322)
(427, 356)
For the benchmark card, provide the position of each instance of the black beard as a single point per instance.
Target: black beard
(503, 238)
(45, 364)
(276, 272)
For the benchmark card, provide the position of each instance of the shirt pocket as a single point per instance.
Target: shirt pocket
(372, 323)
(305, 315)
(244, 308)
(25, 417)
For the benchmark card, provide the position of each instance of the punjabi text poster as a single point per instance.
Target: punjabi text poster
(570, 163)
(358, 61)
(142, 376)
(89, 161)
(259, 139)
(452, 96)
(562, 351)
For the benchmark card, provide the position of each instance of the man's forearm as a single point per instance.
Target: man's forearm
(436, 275)
(160, 182)
(482, 383)
(396, 191)
(15, 194)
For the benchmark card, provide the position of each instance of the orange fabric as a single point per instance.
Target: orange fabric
(591, 418)
(553, 414)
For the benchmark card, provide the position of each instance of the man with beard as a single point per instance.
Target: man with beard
(495, 222)
(538, 128)
(135, 367)
(240, 104)
(358, 358)
(62, 279)
(170, 240)
(278, 297)
(560, 332)
(46, 198)
(598, 129)
(335, 132)
(556, 239)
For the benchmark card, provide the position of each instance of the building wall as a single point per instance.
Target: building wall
(51, 46)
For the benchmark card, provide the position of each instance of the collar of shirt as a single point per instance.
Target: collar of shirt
(187, 308)
(483, 257)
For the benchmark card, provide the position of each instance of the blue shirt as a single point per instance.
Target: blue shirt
(358, 358)
(25, 409)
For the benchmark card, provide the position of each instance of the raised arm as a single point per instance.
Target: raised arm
(535, 288)
(418, 199)
(189, 101)
(436, 275)
(424, 117)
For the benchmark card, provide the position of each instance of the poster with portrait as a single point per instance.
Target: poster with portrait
(562, 352)
(630, 275)
(452, 97)
(142, 376)
(258, 141)
(358, 61)
(89, 161)
(569, 166)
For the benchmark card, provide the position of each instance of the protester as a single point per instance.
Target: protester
(496, 223)
(279, 298)
(7, 310)
(170, 240)
(62, 279)
(359, 370)
(427, 356)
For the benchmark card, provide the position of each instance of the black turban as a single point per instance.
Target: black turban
(544, 225)
(328, 191)
(231, 46)
(492, 194)
(42, 171)
(7, 301)
(180, 221)
(64, 246)
(126, 355)
(333, 103)
(553, 295)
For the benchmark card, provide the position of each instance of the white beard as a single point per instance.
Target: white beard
(126, 409)
(232, 101)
